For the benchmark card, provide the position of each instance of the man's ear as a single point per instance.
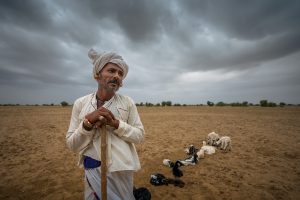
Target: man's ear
(96, 77)
(121, 84)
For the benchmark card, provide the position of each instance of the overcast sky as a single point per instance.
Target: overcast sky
(183, 51)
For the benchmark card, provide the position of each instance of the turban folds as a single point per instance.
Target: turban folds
(101, 59)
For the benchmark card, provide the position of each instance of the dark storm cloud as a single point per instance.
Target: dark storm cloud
(255, 32)
(141, 21)
(244, 55)
(250, 20)
(32, 14)
(47, 41)
(25, 80)
(34, 55)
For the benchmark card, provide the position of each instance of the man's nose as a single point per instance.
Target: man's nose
(117, 75)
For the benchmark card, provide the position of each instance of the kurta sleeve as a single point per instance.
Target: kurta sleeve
(77, 137)
(132, 130)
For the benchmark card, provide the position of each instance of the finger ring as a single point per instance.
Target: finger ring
(101, 118)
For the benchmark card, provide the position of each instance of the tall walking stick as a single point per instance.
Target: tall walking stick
(103, 163)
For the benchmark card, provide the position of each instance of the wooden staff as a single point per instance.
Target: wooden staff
(103, 163)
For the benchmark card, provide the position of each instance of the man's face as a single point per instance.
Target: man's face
(110, 77)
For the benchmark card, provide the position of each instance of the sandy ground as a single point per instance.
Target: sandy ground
(263, 164)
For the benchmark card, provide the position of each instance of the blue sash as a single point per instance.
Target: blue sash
(90, 163)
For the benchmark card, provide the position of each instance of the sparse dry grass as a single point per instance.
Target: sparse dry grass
(264, 162)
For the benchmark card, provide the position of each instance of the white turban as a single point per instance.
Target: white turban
(101, 59)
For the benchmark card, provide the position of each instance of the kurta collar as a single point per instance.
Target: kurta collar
(106, 103)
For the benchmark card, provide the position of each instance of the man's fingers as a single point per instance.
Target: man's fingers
(98, 124)
(104, 110)
(105, 116)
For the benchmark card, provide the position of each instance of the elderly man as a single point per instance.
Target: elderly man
(124, 129)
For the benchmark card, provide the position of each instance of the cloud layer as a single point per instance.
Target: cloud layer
(183, 51)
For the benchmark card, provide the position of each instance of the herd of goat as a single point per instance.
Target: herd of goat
(209, 146)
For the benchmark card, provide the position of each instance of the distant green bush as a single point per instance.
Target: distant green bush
(64, 103)
(282, 104)
(148, 104)
(166, 103)
(209, 103)
(272, 104)
(221, 103)
(245, 103)
(265, 103)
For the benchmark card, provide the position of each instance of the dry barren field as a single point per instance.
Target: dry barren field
(264, 162)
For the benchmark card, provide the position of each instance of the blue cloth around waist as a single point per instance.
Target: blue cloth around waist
(90, 163)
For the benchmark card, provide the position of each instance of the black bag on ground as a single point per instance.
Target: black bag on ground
(141, 193)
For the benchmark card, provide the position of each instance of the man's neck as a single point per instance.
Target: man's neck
(104, 95)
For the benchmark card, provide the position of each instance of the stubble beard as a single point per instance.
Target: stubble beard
(109, 89)
(106, 85)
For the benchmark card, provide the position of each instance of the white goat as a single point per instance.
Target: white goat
(207, 148)
(200, 154)
(212, 138)
(224, 143)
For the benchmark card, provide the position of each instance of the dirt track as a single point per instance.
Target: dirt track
(264, 162)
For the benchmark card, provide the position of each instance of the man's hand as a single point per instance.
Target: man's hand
(102, 116)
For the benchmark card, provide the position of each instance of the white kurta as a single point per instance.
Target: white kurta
(122, 155)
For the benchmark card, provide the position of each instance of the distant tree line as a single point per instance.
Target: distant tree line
(221, 103)
(63, 103)
(17, 104)
(163, 103)
(262, 103)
